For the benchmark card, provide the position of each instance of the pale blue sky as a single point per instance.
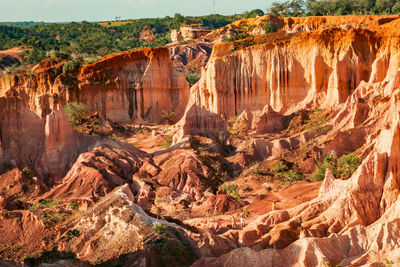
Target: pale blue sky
(97, 10)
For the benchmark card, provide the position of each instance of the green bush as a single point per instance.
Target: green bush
(192, 79)
(26, 171)
(73, 64)
(76, 112)
(160, 230)
(341, 168)
(167, 142)
(270, 27)
(259, 172)
(280, 166)
(73, 205)
(231, 190)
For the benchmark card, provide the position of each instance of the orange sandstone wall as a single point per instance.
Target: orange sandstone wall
(318, 68)
(132, 85)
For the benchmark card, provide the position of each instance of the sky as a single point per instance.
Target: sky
(102, 10)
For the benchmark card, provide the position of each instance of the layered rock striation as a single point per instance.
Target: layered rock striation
(136, 85)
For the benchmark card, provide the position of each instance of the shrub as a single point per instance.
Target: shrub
(280, 166)
(73, 205)
(167, 142)
(33, 208)
(52, 218)
(76, 112)
(341, 168)
(160, 230)
(26, 171)
(73, 64)
(231, 190)
(348, 164)
(168, 116)
(292, 175)
(192, 79)
(270, 27)
(259, 172)
(47, 203)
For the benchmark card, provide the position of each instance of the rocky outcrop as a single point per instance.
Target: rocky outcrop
(346, 223)
(191, 56)
(116, 226)
(122, 87)
(189, 33)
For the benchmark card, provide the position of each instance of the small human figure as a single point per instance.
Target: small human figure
(233, 222)
(242, 218)
(274, 205)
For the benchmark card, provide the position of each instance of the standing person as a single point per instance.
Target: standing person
(274, 205)
(242, 218)
(233, 222)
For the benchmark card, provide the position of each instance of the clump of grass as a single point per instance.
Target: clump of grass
(341, 168)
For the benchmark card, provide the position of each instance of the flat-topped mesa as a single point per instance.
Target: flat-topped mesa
(139, 84)
(301, 70)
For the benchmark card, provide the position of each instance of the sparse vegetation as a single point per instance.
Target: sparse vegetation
(232, 191)
(282, 170)
(192, 79)
(341, 168)
(280, 166)
(160, 230)
(167, 142)
(76, 112)
(73, 205)
(52, 218)
(317, 120)
(259, 172)
(270, 27)
(26, 171)
(71, 234)
(142, 131)
(73, 64)
(168, 116)
(47, 203)
(48, 257)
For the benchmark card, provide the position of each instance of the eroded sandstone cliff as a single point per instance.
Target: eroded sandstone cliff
(137, 85)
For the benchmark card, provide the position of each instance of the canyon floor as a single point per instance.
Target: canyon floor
(295, 134)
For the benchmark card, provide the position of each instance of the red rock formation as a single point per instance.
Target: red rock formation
(348, 219)
(121, 87)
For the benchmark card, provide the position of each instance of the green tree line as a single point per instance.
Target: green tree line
(86, 39)
(295, 8)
